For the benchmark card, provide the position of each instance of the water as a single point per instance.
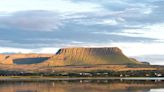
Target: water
(81, 86)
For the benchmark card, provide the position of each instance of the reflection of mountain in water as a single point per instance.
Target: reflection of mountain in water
(80, 86)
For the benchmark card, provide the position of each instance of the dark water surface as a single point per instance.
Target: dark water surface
(82, 86)
(29, 60)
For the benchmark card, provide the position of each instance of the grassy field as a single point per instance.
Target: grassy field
(86, 68)
(81, 71)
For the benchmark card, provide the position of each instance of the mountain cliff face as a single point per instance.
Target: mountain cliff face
(89, 56)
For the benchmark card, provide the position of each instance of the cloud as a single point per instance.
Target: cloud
(132, 11)
(133, 25)
(153, 59)
(51, 5)
(47, 50)
(139, 49)
(22, 50)
(37, 20)
(47, 28)
(150, 31)
(130, 18)
(14, 50)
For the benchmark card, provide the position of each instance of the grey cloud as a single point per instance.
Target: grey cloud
(135, 12)
(60, 29)
(38, 20)
(69, 35)
(153, 59)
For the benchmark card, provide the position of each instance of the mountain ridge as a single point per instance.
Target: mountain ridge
(72, 56)
(89, 56)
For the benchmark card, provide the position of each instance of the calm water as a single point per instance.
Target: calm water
(82, 86)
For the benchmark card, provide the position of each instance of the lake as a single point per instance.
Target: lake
(83, 85)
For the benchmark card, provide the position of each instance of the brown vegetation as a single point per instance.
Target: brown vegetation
(90, 56)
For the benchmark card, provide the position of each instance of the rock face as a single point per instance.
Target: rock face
(9, 59)
(89, 56)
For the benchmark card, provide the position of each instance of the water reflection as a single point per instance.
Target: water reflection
(82, 86)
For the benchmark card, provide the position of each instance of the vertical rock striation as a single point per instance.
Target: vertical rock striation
(89, 56)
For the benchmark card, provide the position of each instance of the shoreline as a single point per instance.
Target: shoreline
(17, 78)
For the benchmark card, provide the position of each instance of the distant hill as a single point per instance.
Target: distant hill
(90, 56)
(152, 59)
(23, 58)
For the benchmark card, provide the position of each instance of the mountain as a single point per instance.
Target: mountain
(89, 56)
(72, 56)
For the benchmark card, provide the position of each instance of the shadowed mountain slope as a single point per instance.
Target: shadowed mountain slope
(23, 58)
(89, 56)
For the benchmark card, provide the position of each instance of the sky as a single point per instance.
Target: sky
(44, 26)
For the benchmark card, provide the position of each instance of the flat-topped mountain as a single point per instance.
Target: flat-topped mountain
(72, 56)
(89, 56)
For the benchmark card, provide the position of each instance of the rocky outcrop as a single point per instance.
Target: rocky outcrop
(9, 59)
(146, 63)
(89, 56)
(2, 57)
